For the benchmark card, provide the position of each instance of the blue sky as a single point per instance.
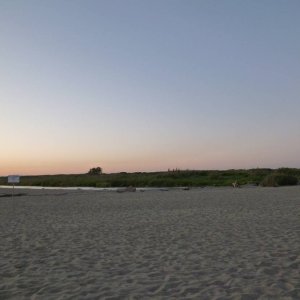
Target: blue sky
(149, 85)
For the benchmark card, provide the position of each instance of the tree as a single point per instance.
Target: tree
(95, 171)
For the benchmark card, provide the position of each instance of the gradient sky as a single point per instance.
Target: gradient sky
(144, 85)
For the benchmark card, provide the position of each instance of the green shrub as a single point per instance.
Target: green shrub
(95, 171)
(279, 180)
(266, 177)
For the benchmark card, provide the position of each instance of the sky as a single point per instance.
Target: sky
(148, 85)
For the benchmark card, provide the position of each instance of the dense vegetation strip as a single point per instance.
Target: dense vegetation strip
(265, 177)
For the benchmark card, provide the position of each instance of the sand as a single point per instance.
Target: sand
(211, 243)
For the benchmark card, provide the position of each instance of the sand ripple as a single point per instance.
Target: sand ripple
(197, 244)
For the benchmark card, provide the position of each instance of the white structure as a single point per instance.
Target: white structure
(13, 179)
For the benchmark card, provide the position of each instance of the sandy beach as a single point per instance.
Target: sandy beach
(210, 243)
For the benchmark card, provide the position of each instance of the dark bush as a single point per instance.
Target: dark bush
(95, 171)
(279, 180)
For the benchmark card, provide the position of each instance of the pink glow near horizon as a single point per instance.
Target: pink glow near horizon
(208, 85)
(138, 166)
